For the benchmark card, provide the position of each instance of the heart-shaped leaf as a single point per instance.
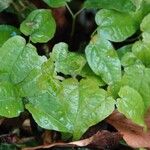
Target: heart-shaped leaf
(103, 60)
(115, 26)
(39, 25)
(71, 109)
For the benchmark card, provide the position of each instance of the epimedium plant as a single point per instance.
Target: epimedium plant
(50, 88)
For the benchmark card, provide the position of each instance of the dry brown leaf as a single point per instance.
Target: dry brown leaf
(47, 137)
(134, 135)
(1, 121)
(101, 140)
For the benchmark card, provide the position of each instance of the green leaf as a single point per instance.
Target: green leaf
(142, 47)
(7, 146)
(137, 77)
(141, 13)
(71, 109)
(130, 59)
(18, 59)
(56, 3)
(141, 50)
(87, 73)
(114, 89)
(4, 4)
(115, 26)
(30, 85)
(10, 102)
(119, 5)
(146, 38)
(145, 28)
(131, 105)
(20, 67)
(39, 25)
(123, 50)
(7, 31)
(48, 79)
(147, 1)
(103, 60)
(145, 24)
(137, 3)
(68, 63)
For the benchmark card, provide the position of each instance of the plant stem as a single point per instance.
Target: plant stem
(15, 6)
(73, 27)
(78, 12)
(72, 14)
(93, 33)
(73, 18)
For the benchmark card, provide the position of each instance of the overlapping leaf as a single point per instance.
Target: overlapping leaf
(131, 105)
(142, 48)
(137, 77)
(19, 63)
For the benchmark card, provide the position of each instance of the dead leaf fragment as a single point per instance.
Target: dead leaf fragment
(134, 135)
(101, 140)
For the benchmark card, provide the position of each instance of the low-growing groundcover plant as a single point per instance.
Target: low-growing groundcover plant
(72, 91)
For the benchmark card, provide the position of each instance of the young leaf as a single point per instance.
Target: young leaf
(119, 5)
(103, 60)
(7, 31)
(115, 26)
(131, 105)
(71, 109)
(66, 62)
(18, 59)
(48, 77)
(10, 102)
(39, 25)
(56, 3)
